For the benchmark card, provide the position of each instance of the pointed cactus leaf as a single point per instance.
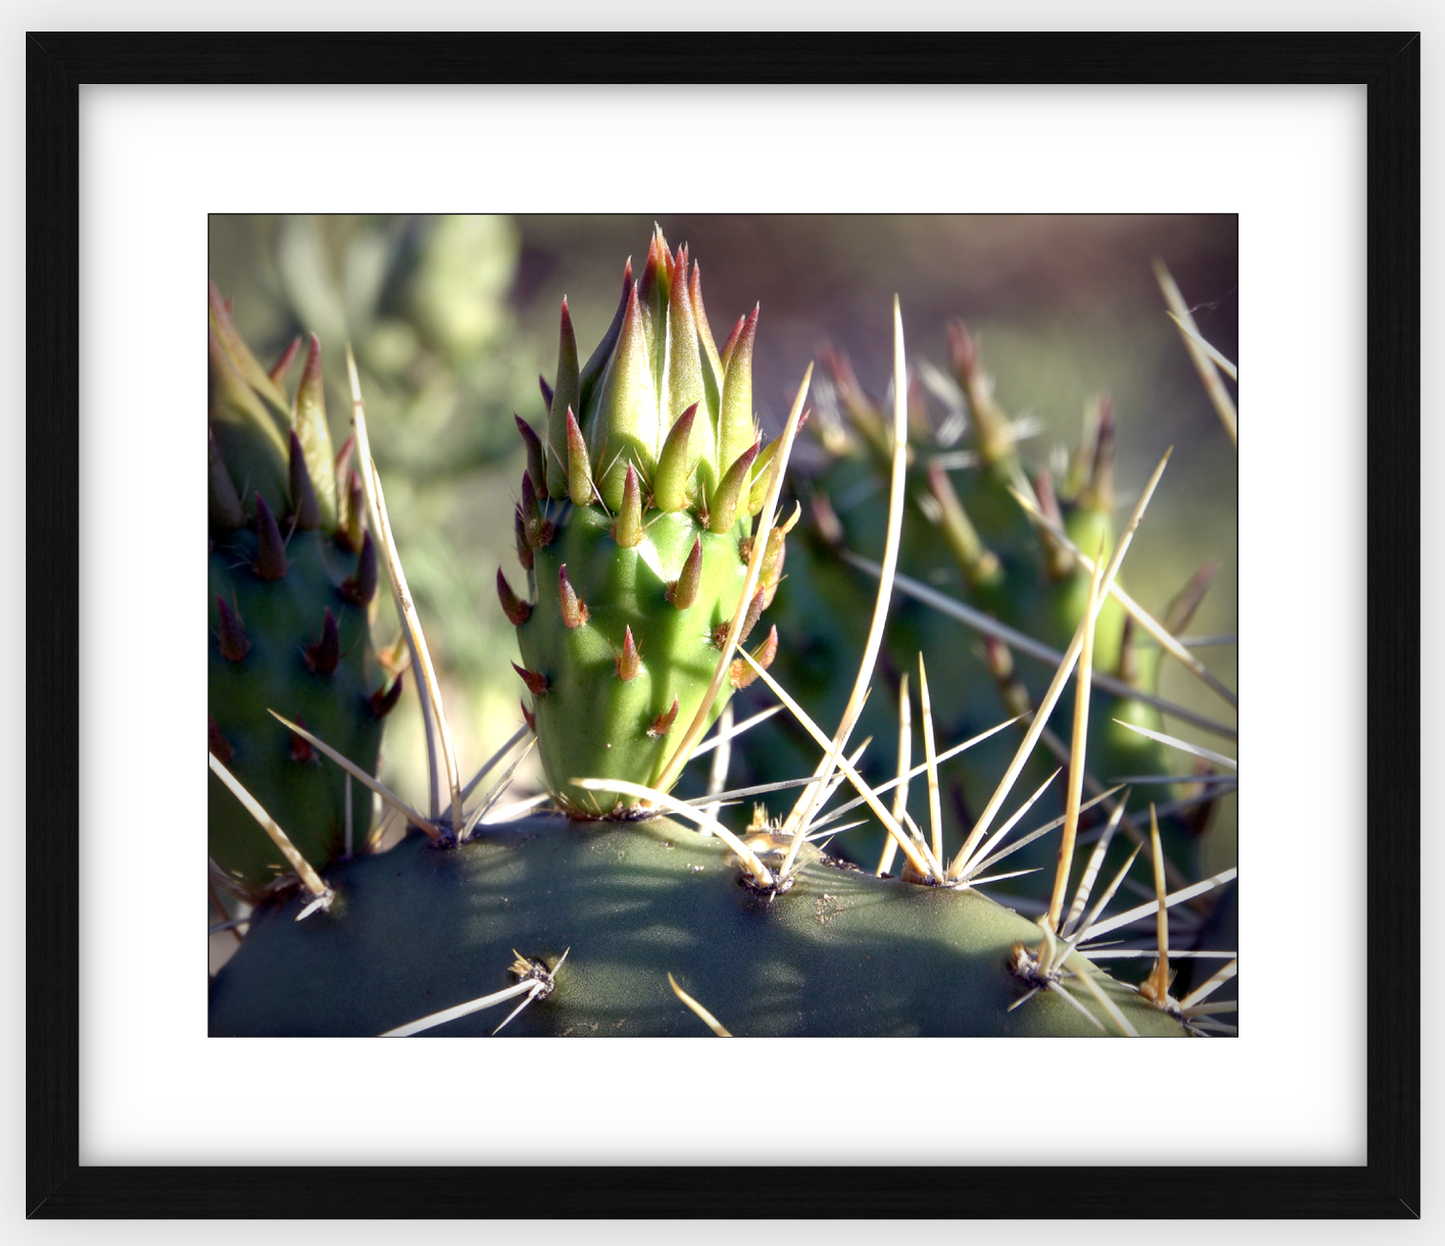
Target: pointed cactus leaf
(675, 464)
(305, 513)
(627, 530)
(723, 508)
(566, 396)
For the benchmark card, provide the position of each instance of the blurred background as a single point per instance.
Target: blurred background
(453, 318)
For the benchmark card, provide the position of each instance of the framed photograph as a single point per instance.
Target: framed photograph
(1295, 157)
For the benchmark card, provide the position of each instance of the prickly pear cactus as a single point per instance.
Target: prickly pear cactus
(968, 537)
(635, 530)
(292, 573)
(842, 954)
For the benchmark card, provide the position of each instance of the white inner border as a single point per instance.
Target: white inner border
(155, 1090)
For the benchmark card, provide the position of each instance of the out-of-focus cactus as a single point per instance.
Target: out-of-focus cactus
(292, 574)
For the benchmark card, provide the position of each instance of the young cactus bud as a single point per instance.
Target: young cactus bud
(324, 656)
(654, 444)
(536, 456)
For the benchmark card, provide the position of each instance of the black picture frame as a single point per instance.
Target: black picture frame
(1387, 1186)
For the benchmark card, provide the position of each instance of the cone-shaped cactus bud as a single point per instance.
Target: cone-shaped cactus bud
(231, 634)
(736, 430)
(566, 396)
(741, 674)
(683, 591)
(271, 563)
(308, 421)
(219, 746)
(675, 465)
(360, 587)
(579, 464)
(325, 654)
(546, 392)
(713, 370)
(662, 724)
(305, 512)
(643, 457)
(627, 421)
(384, 699)
(524, 550)
(628, 661)
(516, 610)
(278, 370)
(627, 529)
(536, 681)
(979, 563)
(723, 508)
(536, 456)
(994, 433)
(732, 340)
(685, 387)
(574, 609)
(225, 503)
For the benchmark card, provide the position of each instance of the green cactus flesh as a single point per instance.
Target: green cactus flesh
(286, 668)
(421, 929)
(291, 575)
(591, 721)
(634, 527)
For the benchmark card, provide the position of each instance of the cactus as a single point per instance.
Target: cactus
(292, 573)
(621, 921)
(996, 545)
(635, 527)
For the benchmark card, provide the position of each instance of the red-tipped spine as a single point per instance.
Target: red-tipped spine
(234, 642)
(383, 700)
(324, 656)
(682, 592)
(516, 610)
(574, 609)
(536, 681)
(305, 511)
(741, 674)
(662, 724)
(283, 365)
(360, 587)
(627, 528)
(629, 662)
(271, 563)
(723, 511)
(536, 457)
